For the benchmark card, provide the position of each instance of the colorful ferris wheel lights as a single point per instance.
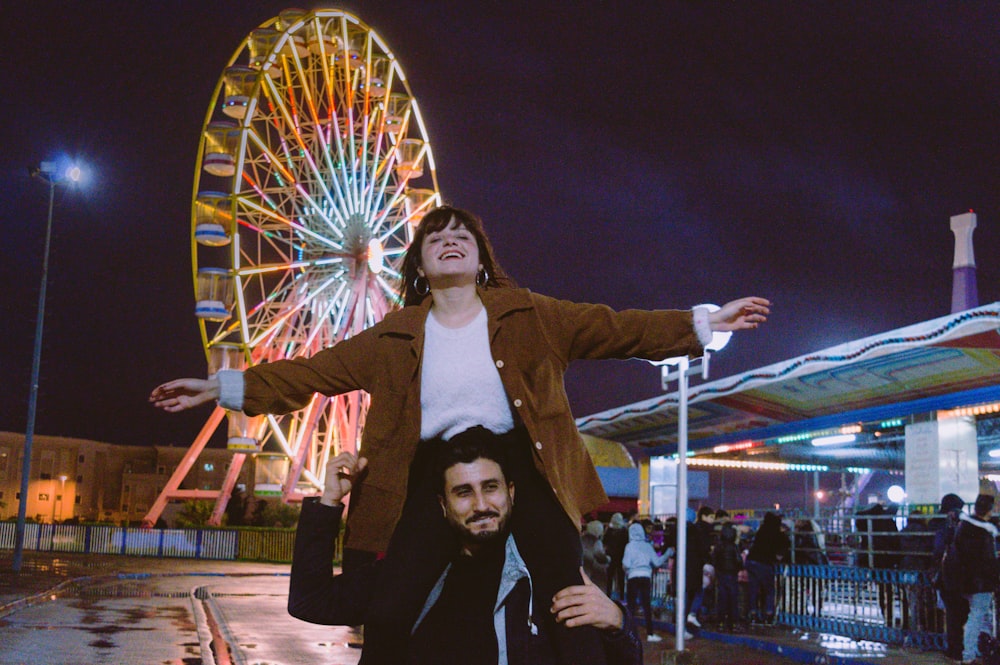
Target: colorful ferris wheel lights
(313, 170)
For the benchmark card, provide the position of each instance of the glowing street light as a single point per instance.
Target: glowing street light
(896, 494)
(54, 174)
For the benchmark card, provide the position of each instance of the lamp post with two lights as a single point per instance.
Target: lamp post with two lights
(680, 369)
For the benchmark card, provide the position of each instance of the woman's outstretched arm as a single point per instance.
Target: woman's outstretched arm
(742, 314)
(183, 394)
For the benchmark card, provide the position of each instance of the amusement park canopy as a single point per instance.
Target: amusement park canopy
(871, 387)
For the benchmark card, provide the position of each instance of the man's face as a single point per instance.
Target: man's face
(477, 501)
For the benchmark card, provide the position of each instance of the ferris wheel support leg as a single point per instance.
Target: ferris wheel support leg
(235, 466)
(353, 423)
(190, 457)
(306, 442)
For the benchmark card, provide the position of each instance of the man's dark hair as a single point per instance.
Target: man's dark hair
(705, 511)
(465, 448)
(984, 504)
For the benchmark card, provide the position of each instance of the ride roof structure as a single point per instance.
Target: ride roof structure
(866, 390)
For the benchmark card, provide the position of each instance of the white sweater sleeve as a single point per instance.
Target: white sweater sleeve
(231, 389)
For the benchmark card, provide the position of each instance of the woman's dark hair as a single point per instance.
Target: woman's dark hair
(436, 220)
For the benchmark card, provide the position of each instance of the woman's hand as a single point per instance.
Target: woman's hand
(183, 394)
(742, 314)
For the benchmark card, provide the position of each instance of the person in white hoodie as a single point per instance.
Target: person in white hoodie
(639, 561)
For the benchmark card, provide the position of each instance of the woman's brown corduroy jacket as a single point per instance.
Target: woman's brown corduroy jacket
(532, 340)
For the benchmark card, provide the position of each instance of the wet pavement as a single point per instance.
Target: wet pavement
(107, 609)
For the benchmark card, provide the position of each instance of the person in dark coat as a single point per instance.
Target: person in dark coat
(615, 539)
(700, 539)
(809, 550)
(956, 606)
(879, 549)
(770, 546)
(728, 563)
(917, 545)
(975, 542)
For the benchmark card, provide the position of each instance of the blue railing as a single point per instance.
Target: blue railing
(218, 544)
(897, 607)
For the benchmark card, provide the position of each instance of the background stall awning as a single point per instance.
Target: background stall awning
(944, 363)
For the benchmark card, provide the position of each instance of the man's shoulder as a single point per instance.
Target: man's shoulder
(984, 525)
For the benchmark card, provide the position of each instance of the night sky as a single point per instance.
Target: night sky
(640, 154)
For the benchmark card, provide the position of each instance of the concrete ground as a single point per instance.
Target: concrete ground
(45, 576)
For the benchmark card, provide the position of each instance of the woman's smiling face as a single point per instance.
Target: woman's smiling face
(449, 257)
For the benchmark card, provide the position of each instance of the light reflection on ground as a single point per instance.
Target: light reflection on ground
(838, 645)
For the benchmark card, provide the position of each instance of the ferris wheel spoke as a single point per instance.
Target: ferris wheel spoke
(273, 123)
(293, 308)
(327, 312)
(291, 265)
(378, 162)
(391, 232)
(329, 79)
(367, 119)
(388, 290)
(317, 177)
(317, 123)
(272, 159)
(286, 222)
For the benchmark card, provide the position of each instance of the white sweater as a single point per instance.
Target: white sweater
(460, 386)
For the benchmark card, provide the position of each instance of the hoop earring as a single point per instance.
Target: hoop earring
(417, 284)
(482, 277)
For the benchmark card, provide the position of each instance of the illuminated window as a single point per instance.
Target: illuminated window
(209, 466)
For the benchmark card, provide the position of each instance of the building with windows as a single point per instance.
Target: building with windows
(93, 481)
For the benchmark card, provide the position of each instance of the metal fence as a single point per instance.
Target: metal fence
(891, 606)
(847, 596)
(868, 578)
(273, 545)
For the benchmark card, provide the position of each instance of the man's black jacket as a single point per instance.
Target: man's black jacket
(318, 596)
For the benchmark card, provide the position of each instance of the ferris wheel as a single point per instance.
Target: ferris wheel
(313, 169)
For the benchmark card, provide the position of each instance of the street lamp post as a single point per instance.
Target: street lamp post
(49, 172)
(680, 369)
(684, 369)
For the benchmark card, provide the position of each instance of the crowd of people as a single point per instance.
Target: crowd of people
(730, 565)
(946, 569)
